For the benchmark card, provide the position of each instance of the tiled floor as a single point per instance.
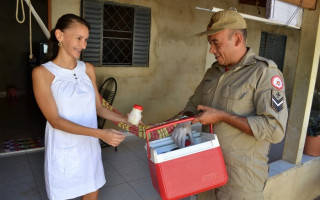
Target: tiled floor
(22, 177)
(126, 170)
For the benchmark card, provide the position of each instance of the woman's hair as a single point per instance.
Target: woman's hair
(64, 22)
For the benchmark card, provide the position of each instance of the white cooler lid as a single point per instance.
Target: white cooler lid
(205, 142)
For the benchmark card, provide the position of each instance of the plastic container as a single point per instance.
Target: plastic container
(178, 173)
(135, 115)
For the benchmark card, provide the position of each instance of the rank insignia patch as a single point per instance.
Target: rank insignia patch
(277, 99)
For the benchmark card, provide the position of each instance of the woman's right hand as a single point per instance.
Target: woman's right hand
(111, 137)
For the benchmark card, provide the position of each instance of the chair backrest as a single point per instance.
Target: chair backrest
(108, 91)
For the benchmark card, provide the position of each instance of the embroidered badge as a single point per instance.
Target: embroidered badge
(277, 100)
(277, 82)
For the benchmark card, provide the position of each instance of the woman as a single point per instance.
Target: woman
(67, 95)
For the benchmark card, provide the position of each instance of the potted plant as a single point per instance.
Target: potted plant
(312, 144)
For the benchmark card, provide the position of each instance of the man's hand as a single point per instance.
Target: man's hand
(209, 115)
(212, 116)
(180, 132)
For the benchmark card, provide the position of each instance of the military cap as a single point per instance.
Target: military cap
(225, 19)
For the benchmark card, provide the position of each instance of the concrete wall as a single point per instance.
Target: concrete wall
(300, 182)
(178, 59)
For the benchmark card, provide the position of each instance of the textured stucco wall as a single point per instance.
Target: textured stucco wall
(178, 59)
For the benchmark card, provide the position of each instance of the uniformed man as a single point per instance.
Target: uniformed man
(243, 96)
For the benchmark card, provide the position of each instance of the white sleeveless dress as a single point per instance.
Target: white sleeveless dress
(73, 164)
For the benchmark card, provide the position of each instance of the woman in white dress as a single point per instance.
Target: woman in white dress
(66, 92)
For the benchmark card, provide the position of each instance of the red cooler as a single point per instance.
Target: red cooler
(178, 173)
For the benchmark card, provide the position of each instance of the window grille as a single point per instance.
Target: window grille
(120, 35)
(273, 46)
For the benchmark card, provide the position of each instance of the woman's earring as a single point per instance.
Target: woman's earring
(59, 44)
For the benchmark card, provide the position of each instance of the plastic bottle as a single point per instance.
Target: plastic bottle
(135, 114)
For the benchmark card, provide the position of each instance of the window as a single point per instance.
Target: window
(273, 47)
(119, 35)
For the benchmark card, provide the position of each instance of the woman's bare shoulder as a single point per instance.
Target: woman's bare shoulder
(90, 69)
(42, 73)
(89, 66)
(39, 69)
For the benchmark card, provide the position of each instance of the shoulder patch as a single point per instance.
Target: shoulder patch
(269, 62)
(277, 82)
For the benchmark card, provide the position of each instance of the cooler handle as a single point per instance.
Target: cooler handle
(162, 126)
(165, 125)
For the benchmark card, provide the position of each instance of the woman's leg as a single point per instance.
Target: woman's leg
(91, 196)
